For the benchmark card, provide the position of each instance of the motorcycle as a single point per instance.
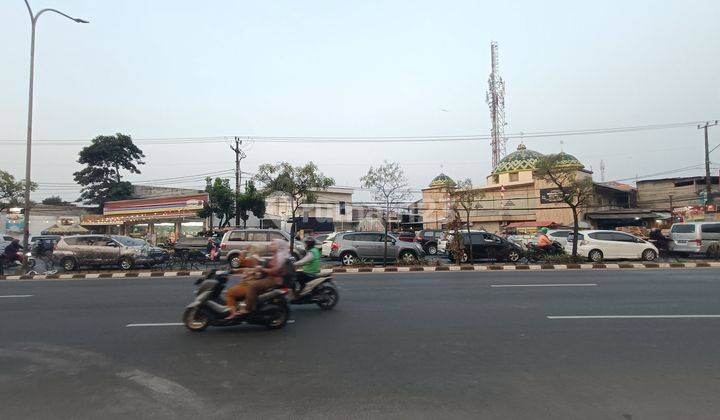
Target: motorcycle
(536, 253)
(5, 263)
(210, 309)
(320, 290)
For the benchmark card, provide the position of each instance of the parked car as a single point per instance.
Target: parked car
(443, 242)
(429, 240)
(559, 235)
(44, 244)
(237, 240)
(486, 246)
(406, 236)
(96, 250)
(596, 245)
(327, 244)
(349, 247)
(194, 243)
(693, 237)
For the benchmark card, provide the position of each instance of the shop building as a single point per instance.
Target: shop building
(42, 218)
(157, 219)
(332, 210)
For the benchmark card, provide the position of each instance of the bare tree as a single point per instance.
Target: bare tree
(465, 198)
(389, 186)
(573, 191)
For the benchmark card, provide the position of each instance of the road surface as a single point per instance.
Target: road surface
(524, 345)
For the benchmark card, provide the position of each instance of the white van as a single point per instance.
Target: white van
(693, 237)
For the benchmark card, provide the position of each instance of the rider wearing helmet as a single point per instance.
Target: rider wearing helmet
(309, 265)
(543, 240)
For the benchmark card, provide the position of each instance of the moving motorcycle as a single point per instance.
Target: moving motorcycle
(5, 263)
(321, 291)
(209, 307)
(536, 253)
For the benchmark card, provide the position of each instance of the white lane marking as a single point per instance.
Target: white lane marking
(16, 296)
(156, 324)
(628, 316)
(546, 285)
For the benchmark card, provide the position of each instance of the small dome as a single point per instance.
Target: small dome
(520, 160)
(442, 180)
(569, 161)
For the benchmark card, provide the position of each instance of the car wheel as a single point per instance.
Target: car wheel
(464, 257)
(235, 261)
(347, 258)
(595, 256)
(432, 249)
(126, 264)
(408, 257)
(649, 255)
(513, 256)
(69, 264)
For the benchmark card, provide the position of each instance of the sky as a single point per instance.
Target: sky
(188, 69)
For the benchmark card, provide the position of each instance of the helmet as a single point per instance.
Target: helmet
(544, 230)
(309, 242)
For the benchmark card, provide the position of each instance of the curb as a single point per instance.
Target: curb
(363, 270)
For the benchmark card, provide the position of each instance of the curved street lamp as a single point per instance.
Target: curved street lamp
(33, 21)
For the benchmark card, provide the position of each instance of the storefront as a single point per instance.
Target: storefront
(158, 220)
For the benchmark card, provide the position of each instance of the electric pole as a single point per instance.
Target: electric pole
(239, 155)
(708, 184)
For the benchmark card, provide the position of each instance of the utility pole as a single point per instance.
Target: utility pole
(708, 184)
(239, 155)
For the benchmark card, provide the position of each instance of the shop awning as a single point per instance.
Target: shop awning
(627, 215)
(65, 230)
(535, 224)
(109, 220)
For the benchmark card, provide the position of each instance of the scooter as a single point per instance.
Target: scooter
(5, 263)
(210, 309)
(536, 253)
(321, 291)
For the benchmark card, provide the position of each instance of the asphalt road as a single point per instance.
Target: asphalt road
(404, 345)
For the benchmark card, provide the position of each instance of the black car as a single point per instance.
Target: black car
(486, 246)
(44, 244)
(429, 240)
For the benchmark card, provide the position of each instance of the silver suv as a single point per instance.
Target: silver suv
(96, 250)
(694, 237)
(349, 247)
(234, 241)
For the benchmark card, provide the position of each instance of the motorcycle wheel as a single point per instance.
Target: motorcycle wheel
(329, 296)
(280, 317)
(195, 320)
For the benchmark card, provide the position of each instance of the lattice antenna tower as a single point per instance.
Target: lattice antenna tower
(495, 98)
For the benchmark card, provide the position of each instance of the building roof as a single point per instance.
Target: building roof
(442, 180)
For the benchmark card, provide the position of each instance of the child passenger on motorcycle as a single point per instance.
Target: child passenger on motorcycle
(251, 287)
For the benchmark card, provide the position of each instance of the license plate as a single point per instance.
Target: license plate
(681, 241)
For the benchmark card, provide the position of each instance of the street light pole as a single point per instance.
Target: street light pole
(28, 153)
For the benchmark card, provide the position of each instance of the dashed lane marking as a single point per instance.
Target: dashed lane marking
(156, 324)
(16, 296)
(628, 316)
(546, 285)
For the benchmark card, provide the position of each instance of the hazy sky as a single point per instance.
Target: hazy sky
(359, 68)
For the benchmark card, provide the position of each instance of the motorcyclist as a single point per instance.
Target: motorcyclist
(12, 252)
(309, 265)
(661, 242)
(544, 241)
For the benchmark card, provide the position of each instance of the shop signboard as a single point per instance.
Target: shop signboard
(551, 195)
(15, 223)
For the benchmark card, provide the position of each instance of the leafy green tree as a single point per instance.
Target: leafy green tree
(389, 186)
(12, 191)
(299, 183)
(575, 192)
(221, 203)
(251, 201)
(105, 158)
(465, 198)
(54, 200)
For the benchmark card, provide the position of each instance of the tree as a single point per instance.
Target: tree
(101, 179)
(222, 202)
(573, 191)
(12, 191)
(466, 198)
(299, 183)
(389, 187)
(54, 200)
(251, 201)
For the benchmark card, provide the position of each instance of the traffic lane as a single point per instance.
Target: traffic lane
(415, 357)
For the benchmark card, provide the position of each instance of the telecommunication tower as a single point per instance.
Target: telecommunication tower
(495, 98)
(602, 171)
